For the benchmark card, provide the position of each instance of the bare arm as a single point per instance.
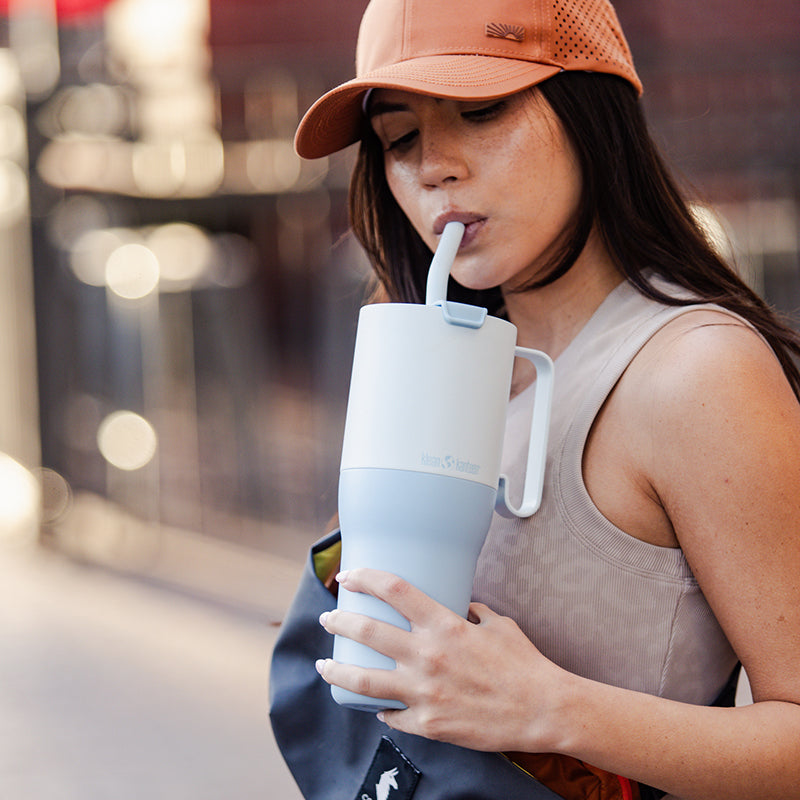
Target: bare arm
(723, 457)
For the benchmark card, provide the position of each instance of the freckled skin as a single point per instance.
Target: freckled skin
(513, 167)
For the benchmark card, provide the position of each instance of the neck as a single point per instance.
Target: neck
(549, 318)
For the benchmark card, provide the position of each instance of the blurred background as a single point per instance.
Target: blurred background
(178, 295)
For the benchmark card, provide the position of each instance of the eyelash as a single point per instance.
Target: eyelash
(485, 113)
(402, 141)
(477, 115)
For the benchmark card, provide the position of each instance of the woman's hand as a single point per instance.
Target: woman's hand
(477, 683)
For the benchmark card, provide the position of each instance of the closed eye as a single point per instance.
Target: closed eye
(402, 141)
(484, 113)
(476, 112)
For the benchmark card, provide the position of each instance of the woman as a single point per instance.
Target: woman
(666, 550)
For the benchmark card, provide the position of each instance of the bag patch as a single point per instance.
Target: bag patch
(391, 776)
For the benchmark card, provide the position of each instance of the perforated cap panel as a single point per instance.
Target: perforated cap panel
(586, 33)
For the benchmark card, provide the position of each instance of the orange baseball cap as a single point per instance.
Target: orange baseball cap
(465, 50)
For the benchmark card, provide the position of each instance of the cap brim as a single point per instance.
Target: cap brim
(336, 119)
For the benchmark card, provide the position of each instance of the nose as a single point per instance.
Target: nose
(443, 159)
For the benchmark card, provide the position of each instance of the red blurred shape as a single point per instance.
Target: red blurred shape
(67, 10)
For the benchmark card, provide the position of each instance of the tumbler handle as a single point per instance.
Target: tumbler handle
(537, 446)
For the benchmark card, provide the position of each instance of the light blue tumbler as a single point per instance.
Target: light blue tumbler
(420, 470)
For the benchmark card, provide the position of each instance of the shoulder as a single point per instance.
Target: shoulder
(707, 386)
(718, 433)
(678, 418)
(704, 361)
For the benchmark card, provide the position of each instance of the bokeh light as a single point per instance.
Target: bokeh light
(132, 271)
(56, 495)
(19, 501)
(183, 252)
(127, 440)
(13, 138)
(11, 91)
(75, 216)
(235, 260)
(93, 110)
(272, 165)
(13, 193)
(91, 251)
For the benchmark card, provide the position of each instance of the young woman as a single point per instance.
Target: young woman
(666, 549)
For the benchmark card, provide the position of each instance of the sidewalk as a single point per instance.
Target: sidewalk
(118, 687)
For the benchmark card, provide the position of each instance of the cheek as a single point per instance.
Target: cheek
(548, 168)
(553, 188)
(406, 193)
(566, 168)
(569, 173)
(397, 186)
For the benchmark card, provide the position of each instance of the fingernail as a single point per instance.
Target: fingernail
(323, 617)
(342, 576)
(319, 665)
(380, 716)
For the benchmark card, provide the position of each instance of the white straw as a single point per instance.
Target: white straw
(442, 262)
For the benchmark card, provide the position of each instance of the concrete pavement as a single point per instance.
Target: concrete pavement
(115, 688)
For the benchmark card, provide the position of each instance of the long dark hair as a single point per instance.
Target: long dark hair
(628, 194)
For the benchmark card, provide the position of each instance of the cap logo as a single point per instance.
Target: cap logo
(502, 30)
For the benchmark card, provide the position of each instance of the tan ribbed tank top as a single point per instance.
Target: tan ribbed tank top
(593, 599)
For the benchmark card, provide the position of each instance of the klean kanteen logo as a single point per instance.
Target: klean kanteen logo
(449, 463)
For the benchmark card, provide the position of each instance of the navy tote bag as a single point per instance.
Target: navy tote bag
(335, 753)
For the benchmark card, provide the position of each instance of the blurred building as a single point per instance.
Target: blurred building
(722, 91)
(195, 289)
(192, 367)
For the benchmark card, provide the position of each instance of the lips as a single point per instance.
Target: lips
(472, 221)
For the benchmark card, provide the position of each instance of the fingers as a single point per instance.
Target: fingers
(480, 614)
(422, 613)
(383, 637)
(405, 598)
(422, 654)
(379, 683)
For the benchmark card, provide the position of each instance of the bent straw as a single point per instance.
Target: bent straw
(442, 263)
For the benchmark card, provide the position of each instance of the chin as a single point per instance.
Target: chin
(474, 286)
(477, 283)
